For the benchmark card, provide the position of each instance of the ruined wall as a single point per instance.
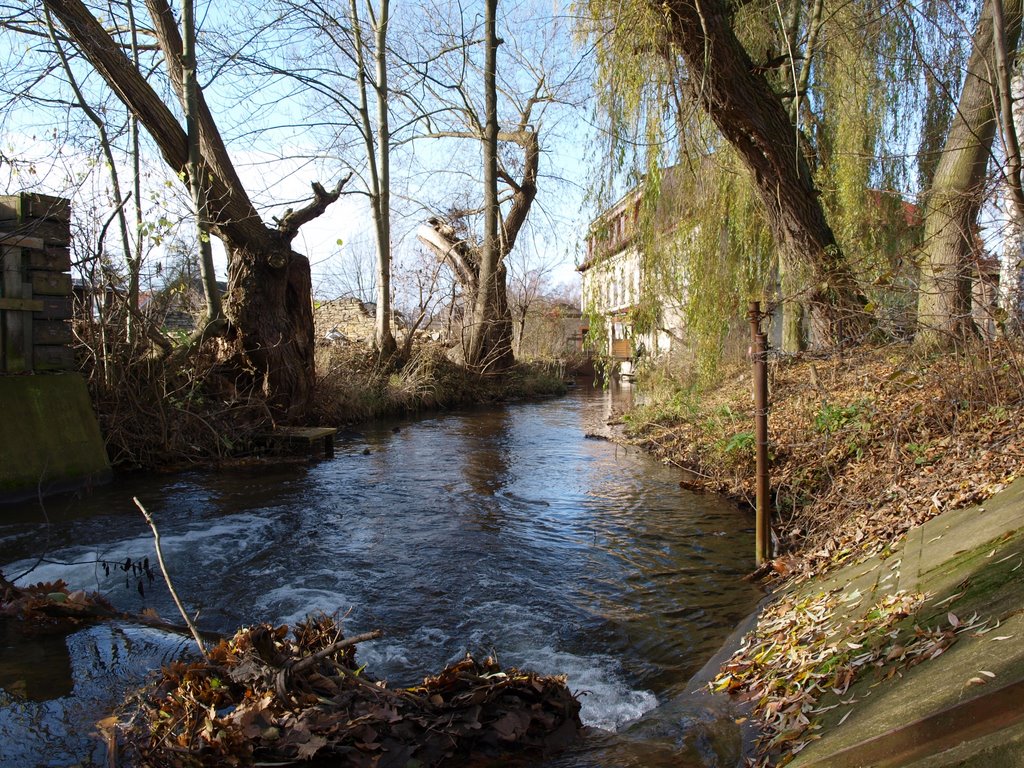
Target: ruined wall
(353, 319)
(350, 317)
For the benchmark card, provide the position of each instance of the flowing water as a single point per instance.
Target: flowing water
(502, 530)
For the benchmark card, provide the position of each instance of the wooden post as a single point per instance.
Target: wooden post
(758, 354)
(17, 325)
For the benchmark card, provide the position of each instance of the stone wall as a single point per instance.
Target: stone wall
(35, 284)
(349, 317)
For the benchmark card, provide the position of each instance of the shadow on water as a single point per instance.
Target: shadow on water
(497, 530)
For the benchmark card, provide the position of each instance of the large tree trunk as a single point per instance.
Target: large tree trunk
(269, 303)
(498, 341)
(953, 202)
(486, 302)
(752, 119)
(272, 322)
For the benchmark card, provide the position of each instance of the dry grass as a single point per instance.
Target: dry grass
(353, 385)
(864, 446)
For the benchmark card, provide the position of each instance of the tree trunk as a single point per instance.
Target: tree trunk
(385, 336)
(752, 119)
(498, 341)
(1011, 282)
(271, 315)
(1011, 272)
(486, 300)
(269, 303)
(953, 202)
(794, 340)
(496, 337)
(197, 186)
(377, 144)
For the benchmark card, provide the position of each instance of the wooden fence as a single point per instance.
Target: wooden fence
(35, 284)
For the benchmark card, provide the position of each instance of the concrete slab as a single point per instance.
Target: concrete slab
(971, 562)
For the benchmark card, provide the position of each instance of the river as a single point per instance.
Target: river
(498, 530)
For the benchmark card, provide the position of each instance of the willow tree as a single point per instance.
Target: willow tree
(876, 92)
(711, 69)
(268, 305)
(817, 104)
(955, 198)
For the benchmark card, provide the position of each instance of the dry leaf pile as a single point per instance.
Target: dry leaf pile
(51, 607)
(806, 647)
(267, 696)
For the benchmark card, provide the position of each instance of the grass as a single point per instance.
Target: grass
(353, 385)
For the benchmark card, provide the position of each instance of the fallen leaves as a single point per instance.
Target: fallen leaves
(270, 697)
(807, 646)
(948, 440)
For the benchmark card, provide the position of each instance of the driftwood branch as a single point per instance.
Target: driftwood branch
(163, 569)
(281, 681)
(313, 658)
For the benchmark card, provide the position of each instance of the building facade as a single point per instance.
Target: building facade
(614, 280)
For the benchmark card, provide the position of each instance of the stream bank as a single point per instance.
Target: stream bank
(871, 451)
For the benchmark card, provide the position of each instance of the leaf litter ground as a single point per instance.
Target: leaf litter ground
(864, 447)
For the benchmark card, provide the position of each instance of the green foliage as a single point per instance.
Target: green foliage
(832, 418)
(666, 403)
(851, 422)
(870, 123)
(920, 453)
(740, 443)
(596, 341)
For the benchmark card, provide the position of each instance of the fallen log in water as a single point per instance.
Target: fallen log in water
(269, 697)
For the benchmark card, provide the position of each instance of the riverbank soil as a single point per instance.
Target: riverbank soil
(153, 420)
(891, 550)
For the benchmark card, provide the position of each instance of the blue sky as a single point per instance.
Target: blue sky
(277, 139)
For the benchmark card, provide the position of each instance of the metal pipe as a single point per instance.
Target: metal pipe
(758, 354)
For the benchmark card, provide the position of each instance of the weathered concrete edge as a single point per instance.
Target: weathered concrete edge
(50, 441)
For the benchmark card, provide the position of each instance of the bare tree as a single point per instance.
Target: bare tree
(479, 260)
(268, 306)
(528, 280)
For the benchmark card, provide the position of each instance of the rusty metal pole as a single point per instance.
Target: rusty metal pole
(758, 354)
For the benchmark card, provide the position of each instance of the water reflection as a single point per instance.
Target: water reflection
(501, 530)
(36, 667)
(484, 452)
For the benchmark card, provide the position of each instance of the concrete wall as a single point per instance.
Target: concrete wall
(49, 437)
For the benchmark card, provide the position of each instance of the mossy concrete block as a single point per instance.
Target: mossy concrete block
(49, 436)
(969, 561)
